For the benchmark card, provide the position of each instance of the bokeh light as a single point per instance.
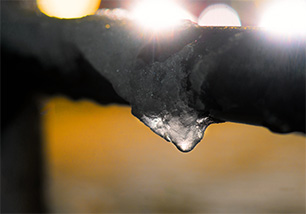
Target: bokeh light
(219, 15)
(285, 17)
(159, 14)
(68, 9)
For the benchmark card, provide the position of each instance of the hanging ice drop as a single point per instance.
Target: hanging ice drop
(184, 131)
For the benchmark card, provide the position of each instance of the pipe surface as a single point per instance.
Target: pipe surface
(251, 76)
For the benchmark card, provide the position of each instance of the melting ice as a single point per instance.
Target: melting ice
(185, 131)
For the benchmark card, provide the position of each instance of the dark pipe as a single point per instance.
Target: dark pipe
(234, 74)
(251, 76)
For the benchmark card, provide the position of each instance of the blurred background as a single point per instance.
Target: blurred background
(102, 159)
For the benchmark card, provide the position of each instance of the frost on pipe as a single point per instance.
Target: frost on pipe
(160, 98)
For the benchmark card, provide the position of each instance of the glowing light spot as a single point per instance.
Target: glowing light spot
(219, 15)
(107, 26)
(68, 9)
(285, 17)
(159, 14)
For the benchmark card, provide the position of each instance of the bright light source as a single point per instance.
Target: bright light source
(285, 17)
(219, 15)
(159, 14)
(68, 8)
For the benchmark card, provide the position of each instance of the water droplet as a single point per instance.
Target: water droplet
(185, 131)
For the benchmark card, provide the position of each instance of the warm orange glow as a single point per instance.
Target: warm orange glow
(103, 160)
(219, 15)
(67, 9)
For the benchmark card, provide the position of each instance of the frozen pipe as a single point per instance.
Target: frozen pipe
(177, 81)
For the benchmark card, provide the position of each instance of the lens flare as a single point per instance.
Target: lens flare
(67, 9)
(285, 17)
(159, 14)
(219, 15)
